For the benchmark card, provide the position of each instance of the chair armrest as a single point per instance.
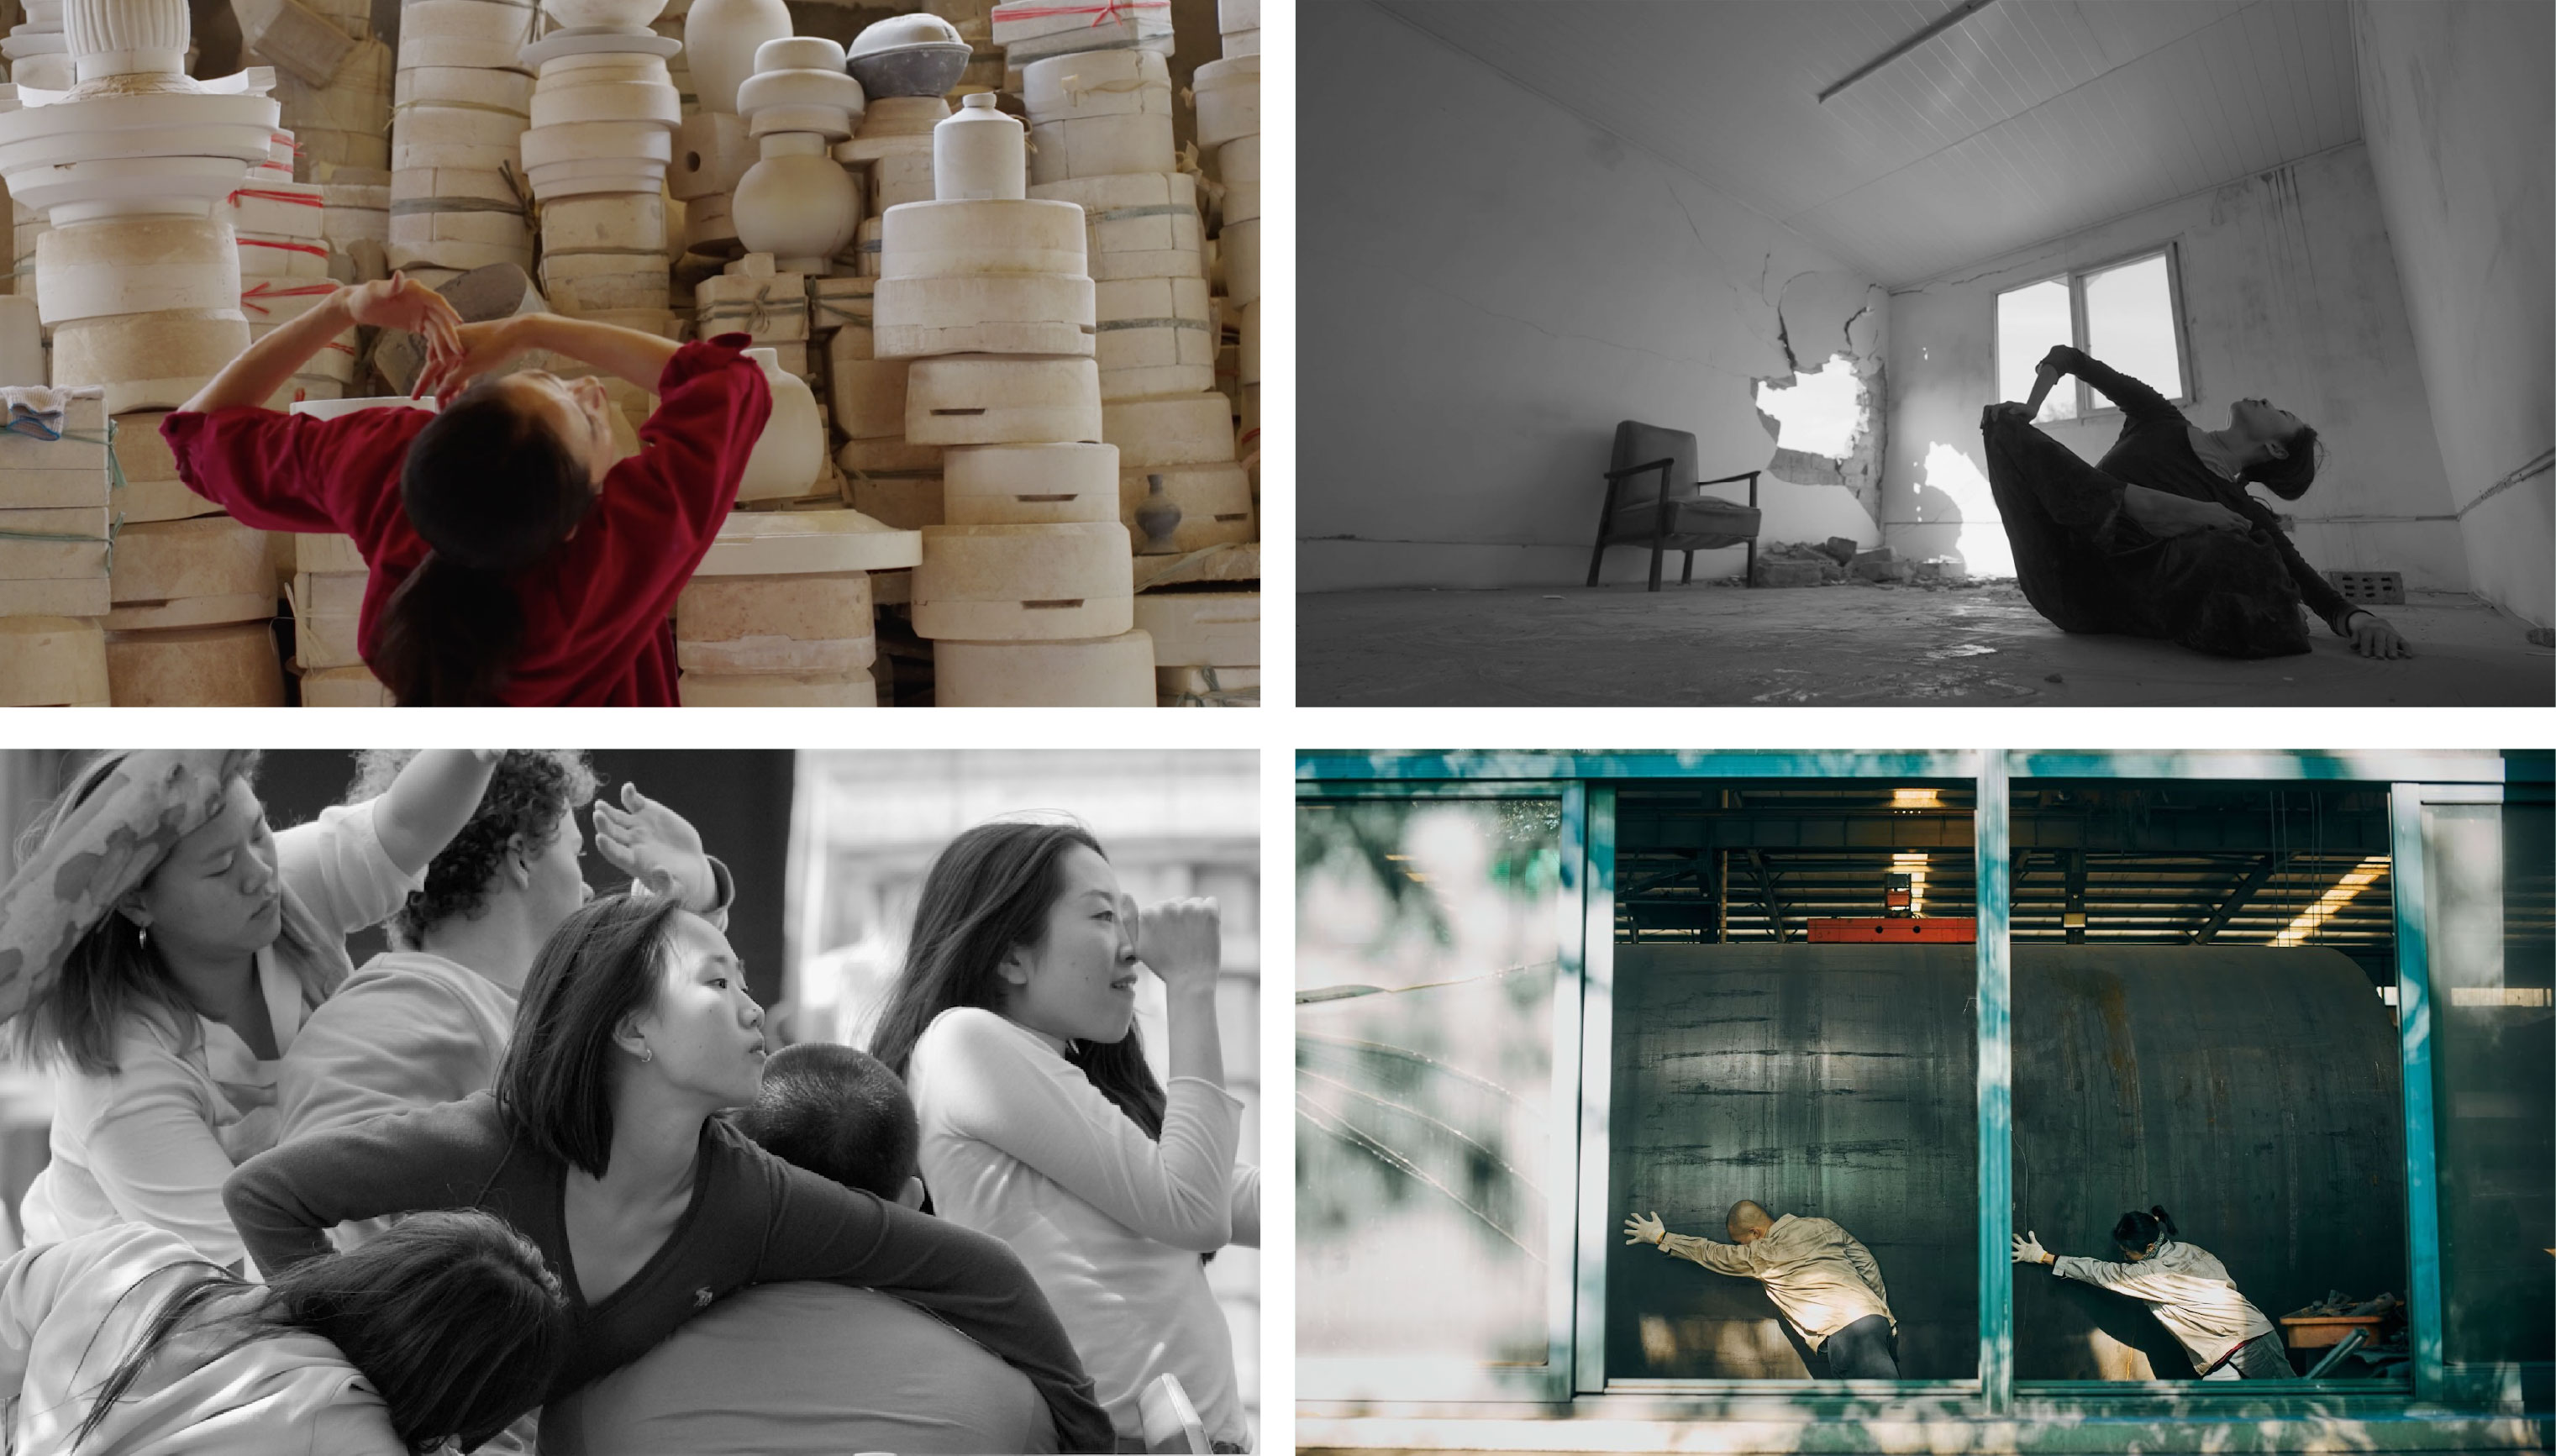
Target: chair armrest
(1659, 464)
(1727, 479)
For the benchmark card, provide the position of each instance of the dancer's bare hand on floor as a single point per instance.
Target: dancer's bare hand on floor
(2373, 637)
(2163, 514)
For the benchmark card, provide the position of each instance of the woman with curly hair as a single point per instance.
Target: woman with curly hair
(1014, 1027)
(2160, 538)
(123, 1343)
(428, 1020)
(159, 948)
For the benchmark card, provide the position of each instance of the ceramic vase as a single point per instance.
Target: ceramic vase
(797, 203)
(791, 452)
(721, 37)
(978, 153)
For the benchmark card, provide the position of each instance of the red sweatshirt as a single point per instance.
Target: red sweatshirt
(596, 628)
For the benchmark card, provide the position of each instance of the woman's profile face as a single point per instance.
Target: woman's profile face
(577, 410)
(703, 1032)
(1079, 981)
(217, 893)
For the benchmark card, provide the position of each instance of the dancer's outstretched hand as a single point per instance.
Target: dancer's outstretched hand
(2373, 636)
(657, 847)
(1640, 1230)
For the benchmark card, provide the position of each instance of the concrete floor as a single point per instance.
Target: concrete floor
(1857, 646)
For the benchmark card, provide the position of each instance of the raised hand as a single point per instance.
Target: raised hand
(1641, 1229)
(456, 362)
(2029, 1250)
(657, 847)
(401, 302)
(1182, 940)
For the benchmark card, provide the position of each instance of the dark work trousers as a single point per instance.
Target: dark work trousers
(2262, 1357)
(1862, 1351)
(2089, 567)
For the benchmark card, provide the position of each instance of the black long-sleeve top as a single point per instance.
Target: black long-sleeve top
(754, 1219)
(2155, 450)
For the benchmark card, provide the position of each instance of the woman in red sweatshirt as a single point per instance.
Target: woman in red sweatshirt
(514, 561)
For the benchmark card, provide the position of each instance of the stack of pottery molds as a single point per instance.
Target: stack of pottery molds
(465, 97)
(1025, 589)
(713, 151)
(794, 210)
(139, 276)
(1207, 646)
(754, 297)
(780, 614)
(1031, 30)
(1239, 21)
(53, 549)
(332, 80)
(38, 53)
(356, 223)
(282, 232)
(603, 115)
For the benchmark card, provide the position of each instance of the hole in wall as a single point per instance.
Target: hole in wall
(1821, 410)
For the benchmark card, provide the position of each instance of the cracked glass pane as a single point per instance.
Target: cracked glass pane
(1427, 955)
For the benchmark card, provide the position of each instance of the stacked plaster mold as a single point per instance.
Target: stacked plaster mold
(1031, 30)
(782, 611)
(1026, 590)
(603, 111)
(713, 151)
(138, 274)
(39, 61)
(332, 84)
(54, 547)
(905, 65)
(281, 228)
(465, 97)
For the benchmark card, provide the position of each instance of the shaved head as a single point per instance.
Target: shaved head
(1746, 1221)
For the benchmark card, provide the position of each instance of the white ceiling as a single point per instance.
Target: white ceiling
(2025, 121)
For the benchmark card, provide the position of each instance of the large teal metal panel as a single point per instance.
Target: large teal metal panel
(1996, 1091)
(2414, 1027)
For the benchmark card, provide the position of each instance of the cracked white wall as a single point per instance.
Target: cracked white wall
(1487, 286)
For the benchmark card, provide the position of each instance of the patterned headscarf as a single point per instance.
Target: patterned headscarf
(98, 850)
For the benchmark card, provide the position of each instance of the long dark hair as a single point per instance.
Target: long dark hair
(2291, 478)
(492, 489)
(988, 891)
(114, 974)
(2138, 1230)
(602, 964)
(452, 1316)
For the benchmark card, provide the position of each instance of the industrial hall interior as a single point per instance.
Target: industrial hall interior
(1913, 352)
(699, 353)
(1748, 1102)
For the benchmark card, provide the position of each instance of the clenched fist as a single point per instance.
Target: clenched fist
(1182, 940)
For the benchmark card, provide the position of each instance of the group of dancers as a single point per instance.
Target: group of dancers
(538, 1178)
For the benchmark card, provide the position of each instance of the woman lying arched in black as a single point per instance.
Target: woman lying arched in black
(2160, 540)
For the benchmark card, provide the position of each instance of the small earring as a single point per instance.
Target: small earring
(647, 1053)
(145, 933)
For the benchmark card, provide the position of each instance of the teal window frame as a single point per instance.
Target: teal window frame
(1588, 780)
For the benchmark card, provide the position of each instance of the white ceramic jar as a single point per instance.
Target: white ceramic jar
(978, 153)
(791, 452)
(721, 37)
(797, 203)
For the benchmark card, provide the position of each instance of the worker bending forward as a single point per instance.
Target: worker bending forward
(1824, 1281)
(2186, 1288)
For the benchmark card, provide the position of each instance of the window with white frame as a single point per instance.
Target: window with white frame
(2125, 312)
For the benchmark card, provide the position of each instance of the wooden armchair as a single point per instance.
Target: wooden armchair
(1653, 498)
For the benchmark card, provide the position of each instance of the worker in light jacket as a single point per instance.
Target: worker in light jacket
(2186, 1288)
(1825, 1281)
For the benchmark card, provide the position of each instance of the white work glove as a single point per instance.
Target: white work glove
(1640, 1230)
(2029, 1250)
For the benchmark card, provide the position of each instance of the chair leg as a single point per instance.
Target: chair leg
(1596, 555)
(1687, 578)
(1748, 569)
(1657, 550)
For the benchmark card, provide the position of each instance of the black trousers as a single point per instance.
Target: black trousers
(2089, 567)
(1862, 1351)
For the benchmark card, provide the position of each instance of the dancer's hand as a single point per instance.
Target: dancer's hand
(401, 302)
(2029, 1250)
(1181, 941)
(657, 847)
(1640, 1230)
(2373, 636)
(2165, 515)
(454, 364)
